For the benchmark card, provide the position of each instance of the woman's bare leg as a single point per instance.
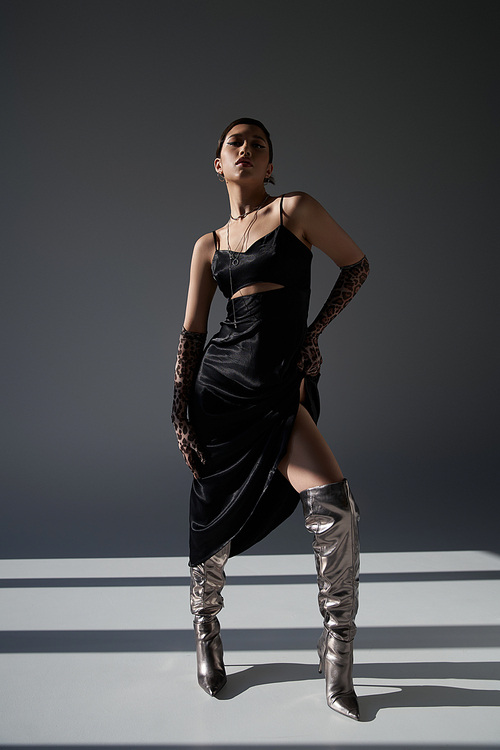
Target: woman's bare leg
(308, 462)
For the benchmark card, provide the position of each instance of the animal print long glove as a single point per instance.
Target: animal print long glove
(348, 283)
(188, 359)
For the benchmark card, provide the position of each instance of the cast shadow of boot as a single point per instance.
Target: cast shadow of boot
(408, 696)
(266, 674)
(425, 696)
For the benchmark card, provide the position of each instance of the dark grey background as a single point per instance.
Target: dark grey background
(387, 112)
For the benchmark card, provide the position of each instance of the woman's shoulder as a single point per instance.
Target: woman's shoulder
(298, 200)
(204, 244)
(204, 249)
(299, 207)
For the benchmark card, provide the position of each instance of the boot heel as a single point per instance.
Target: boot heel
(321, 648)
(321, 664)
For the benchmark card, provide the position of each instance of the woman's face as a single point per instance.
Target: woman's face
(244, 154)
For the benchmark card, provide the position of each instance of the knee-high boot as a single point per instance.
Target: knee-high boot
(207, 582)
(332, 515)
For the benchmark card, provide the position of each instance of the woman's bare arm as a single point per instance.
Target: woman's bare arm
(202, 286)
(318, 228)
(190, 350)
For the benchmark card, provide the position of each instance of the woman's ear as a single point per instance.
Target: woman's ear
(269, 171)
(218, 165)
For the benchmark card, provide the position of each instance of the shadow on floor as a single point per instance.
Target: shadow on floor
(266, 674)
(242, 639)
(408, 696)
(426, 696)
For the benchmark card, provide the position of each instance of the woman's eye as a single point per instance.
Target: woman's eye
(238, 143)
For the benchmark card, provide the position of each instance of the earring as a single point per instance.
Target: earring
(221, 176)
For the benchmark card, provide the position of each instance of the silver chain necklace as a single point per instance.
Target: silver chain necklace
(247, 213)
(244, 236)
(233, 259)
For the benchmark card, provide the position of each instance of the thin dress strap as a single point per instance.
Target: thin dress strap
(215, 240)
(281, 210)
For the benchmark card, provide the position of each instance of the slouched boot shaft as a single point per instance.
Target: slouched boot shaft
(332, 515)
(207, 582)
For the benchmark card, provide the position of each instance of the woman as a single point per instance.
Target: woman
(251, 440)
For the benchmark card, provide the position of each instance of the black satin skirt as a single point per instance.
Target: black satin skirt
(244, 404)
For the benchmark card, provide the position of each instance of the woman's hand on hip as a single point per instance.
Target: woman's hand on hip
(310, 359)
(189, 445)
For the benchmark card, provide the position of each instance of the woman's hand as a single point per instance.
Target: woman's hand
(188, 444)
(310, 359)
(189, 354)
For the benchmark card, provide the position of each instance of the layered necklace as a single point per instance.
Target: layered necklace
(243, 242)
(244, 237)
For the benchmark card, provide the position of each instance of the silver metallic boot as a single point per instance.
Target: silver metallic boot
(207, 582)
(332, 516)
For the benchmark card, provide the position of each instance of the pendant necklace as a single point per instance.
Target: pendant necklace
(233, 254)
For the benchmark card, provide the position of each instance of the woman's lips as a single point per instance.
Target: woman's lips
(245, 162)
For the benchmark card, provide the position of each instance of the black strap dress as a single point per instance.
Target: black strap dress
(246, 396)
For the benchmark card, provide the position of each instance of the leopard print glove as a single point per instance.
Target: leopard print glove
(310, 359)
(188, 359)
(348, 283)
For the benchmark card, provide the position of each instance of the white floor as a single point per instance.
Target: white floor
(100, 653)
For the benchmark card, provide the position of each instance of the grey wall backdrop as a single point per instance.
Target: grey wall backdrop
(387, 112)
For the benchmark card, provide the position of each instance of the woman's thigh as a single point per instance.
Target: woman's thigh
(308, 462)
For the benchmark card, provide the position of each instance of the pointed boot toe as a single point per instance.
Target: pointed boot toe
(335, 660)
(210, 656)
(346, 704)
(213, 683)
